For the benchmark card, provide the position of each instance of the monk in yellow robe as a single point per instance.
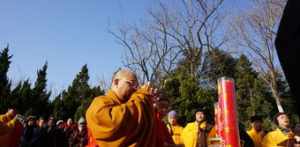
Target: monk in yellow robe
(124, 116)
(256, 132)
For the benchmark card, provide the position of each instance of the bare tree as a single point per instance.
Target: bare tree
(193, 29)
(148, 53)
(175, 33)
(256, 31)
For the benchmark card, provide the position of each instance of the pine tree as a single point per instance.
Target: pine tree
(5, 84)
(59, 111)
(85, 103)
(21, 98)
(186, 94)
(217, 64)
(40, 94)
(77, 97)
(252, 95)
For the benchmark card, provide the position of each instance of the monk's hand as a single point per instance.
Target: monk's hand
(147, 89)
(150, 91)
(11, 113)
(290, 135)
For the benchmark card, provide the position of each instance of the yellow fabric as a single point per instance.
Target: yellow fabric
(213, 139)
(176, 133)
(6, 130)
(256, 137)
(190, 134)
(212, 133)
(273, 138)
(113, 123)
(5, 125)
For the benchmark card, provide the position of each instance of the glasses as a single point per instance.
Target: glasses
(132, 84)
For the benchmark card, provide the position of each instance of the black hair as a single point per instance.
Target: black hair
(255, 118)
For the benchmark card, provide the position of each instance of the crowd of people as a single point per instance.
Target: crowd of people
(17, 131)
(133, 115)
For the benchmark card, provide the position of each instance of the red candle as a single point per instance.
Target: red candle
(228, 122)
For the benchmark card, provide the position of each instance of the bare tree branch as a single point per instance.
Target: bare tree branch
(256, 31)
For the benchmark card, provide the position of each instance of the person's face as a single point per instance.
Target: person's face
(200, 116)
(30, 122)
(257, 125)
(41, 122)
(126, 86)
(50, 122)
(283, 121)
(172, 120)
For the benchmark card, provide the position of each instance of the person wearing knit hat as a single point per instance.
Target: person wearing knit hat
(282, 134)
(81, 135)
(195, 134)
(59, 122)
(256, 132)
(174, 128)
(172, 114)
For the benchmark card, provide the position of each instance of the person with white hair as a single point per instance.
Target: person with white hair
(174, 128)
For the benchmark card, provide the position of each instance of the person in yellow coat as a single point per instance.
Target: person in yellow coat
(10, 129)
(124, 116)
(174, 128)
(4, 121)
(256, 131)
(195, 133)
(281, 134)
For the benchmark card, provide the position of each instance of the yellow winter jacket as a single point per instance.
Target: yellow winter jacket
(255, 136)
(113, 122)
(10, 131)
(190, 133)
(273, 138)
(5, 124)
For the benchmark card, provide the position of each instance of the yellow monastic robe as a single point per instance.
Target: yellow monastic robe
(256, 137)
(114, 122)
(273, 138)
(176, 131)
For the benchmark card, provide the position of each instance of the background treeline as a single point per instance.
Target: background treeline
(34, 98)
(185, 92)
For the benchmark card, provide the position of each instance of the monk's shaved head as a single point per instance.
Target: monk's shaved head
(124, 83)
(125, 73)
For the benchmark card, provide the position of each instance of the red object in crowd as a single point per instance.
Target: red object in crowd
(227, 122)
(91, 140)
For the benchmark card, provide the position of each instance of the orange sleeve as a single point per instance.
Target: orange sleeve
(110, 121)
